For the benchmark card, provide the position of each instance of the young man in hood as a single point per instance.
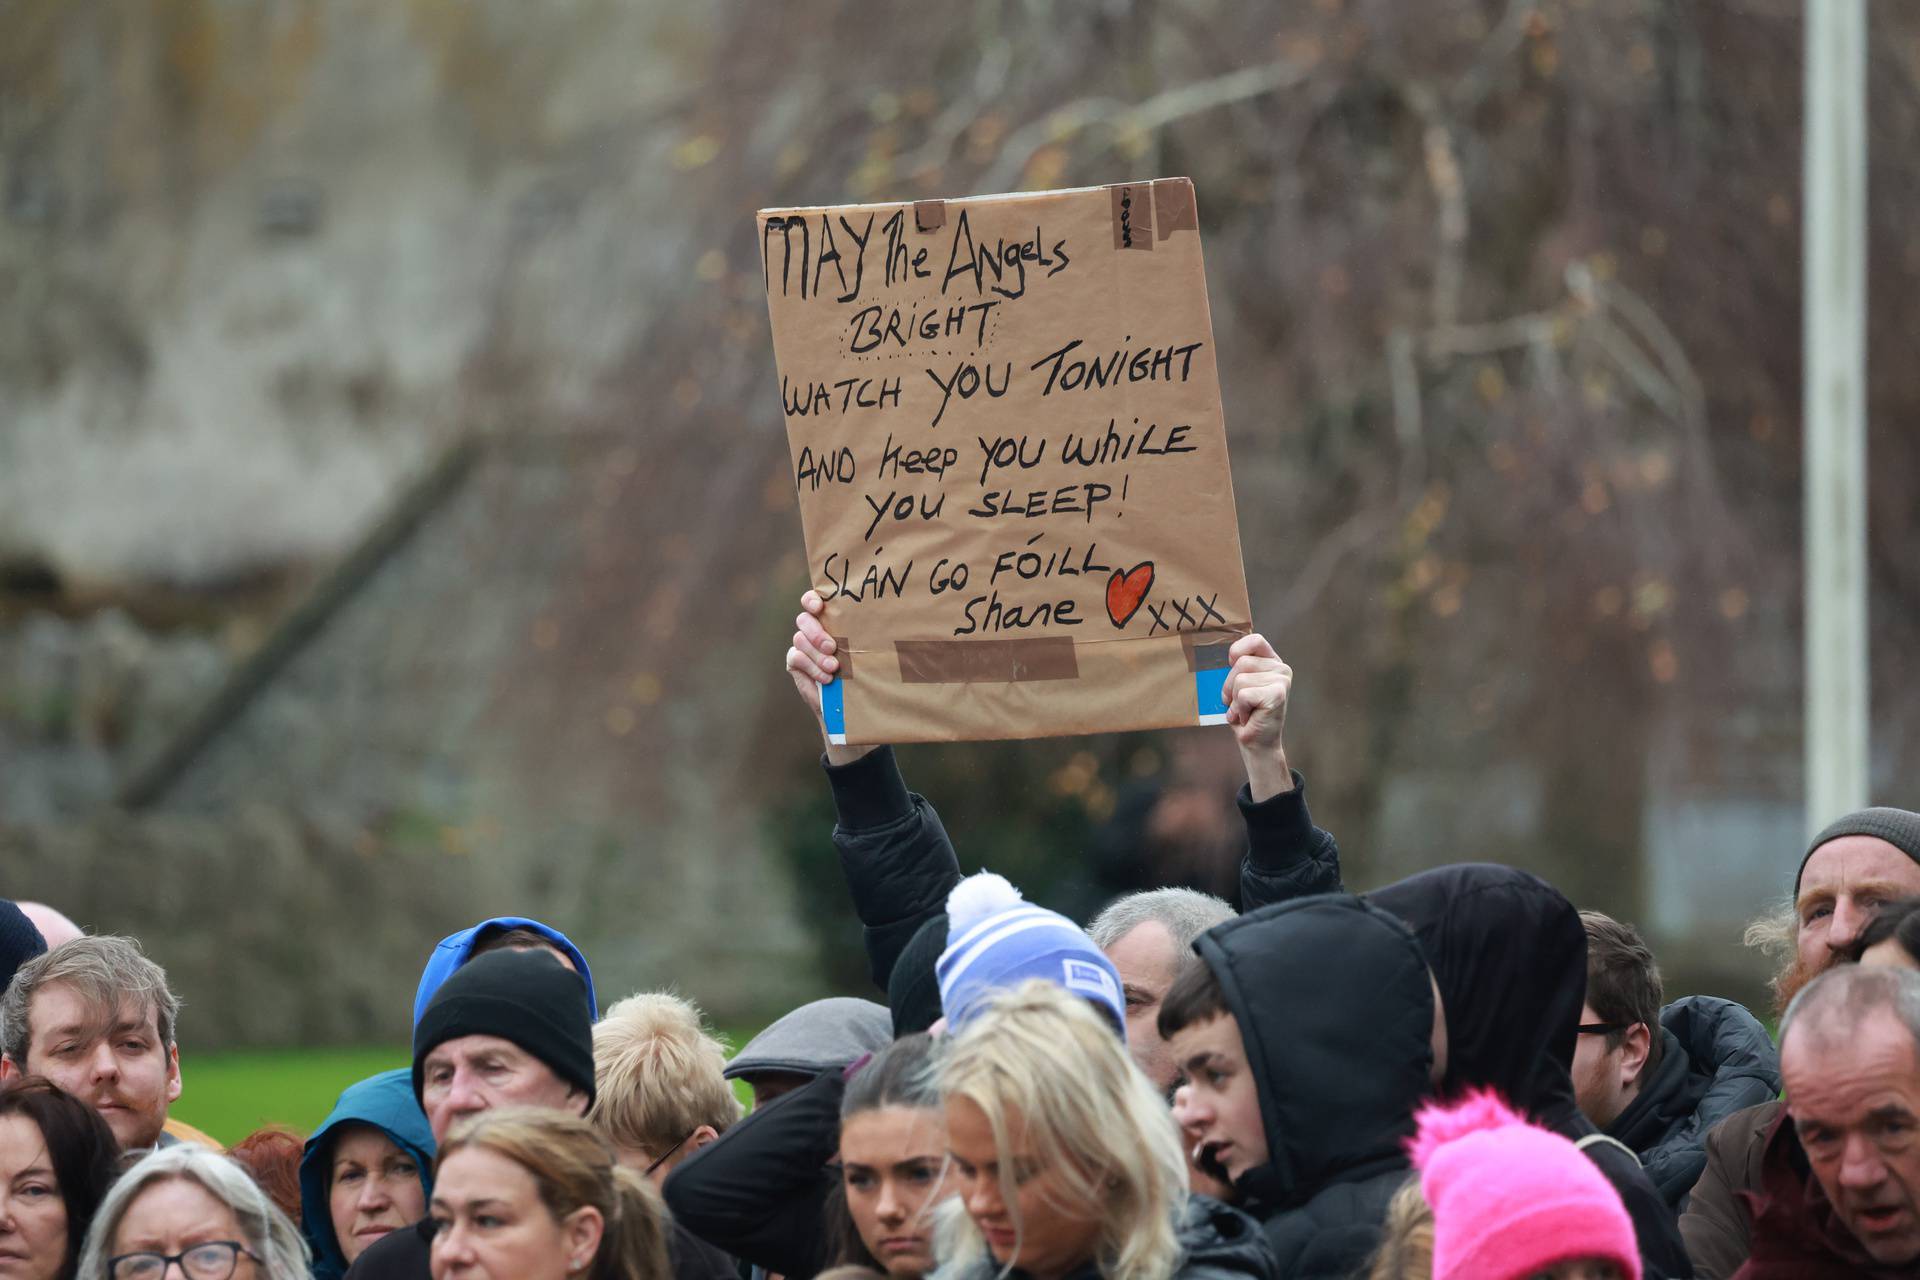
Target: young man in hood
(1303, 1076)
(1507, 950)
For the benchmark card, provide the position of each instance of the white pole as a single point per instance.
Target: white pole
(1835, 426)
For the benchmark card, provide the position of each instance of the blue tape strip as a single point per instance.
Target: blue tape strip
(833, 708)
(1207, 688)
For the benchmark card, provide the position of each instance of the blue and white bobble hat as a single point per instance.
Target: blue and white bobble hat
(996, 939)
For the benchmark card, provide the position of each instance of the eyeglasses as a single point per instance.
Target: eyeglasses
(214, 1260)
(668, 1154)
(1601, 1028)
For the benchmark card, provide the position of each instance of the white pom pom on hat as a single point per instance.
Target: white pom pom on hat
(979, 897)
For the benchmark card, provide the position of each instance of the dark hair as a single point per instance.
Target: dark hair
(900, 1075)
(1195, 996)
(1623, 980)
(272, 1156)
(84, 1152)
(1898, 920)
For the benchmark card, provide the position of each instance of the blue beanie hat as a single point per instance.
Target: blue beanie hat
(19, 941)
(996, 940)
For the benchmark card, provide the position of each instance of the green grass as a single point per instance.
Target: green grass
(229, 1095)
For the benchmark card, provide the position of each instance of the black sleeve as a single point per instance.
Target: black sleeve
(692, 1258)
(760, 1192)
(402, 1254)
(1663, 1255)
(1287, 856)
(899, 863)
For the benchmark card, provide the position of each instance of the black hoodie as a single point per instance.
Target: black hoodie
(1335, 1012)
(1510, 956)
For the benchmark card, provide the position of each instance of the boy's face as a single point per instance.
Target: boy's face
(1219, 1108)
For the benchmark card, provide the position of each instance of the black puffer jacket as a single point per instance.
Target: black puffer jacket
(1335, 1012)
(898, 859)
(1217, 1243)
(1287, 856)
(1716, 1060)
(1510, 957)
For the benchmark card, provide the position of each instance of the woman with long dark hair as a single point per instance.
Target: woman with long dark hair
(893, 1155)
(57, 1159)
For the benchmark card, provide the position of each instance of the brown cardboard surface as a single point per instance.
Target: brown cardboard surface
(1011, 459)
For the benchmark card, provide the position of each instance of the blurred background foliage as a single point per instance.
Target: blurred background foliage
(396, 523)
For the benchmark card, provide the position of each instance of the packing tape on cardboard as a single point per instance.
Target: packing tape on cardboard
(1208, 660)
(1173, 206)
(986, 661)
(1132, 216)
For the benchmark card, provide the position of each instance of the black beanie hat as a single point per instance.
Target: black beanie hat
(913, 988)
(19, 942)
(526, 997)
(1898, 827)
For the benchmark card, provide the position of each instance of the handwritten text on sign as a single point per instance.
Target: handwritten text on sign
(1005, 423)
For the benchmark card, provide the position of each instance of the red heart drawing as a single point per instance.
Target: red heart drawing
(1126, 592)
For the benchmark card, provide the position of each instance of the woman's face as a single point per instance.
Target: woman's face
(892, 1159)
(174, 1215)
(33, 1214)
(375, 1188)
(1037, 1231)
(490, 1223)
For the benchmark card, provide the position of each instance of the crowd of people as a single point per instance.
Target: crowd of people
(1458, 1076)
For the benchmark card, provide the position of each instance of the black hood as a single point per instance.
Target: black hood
(1336, 1013)
(1510, 956)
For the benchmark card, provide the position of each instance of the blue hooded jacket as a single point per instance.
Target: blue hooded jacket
(387, 1103)
(457, 948)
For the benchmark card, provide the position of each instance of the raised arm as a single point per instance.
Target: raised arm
(897, 857)
(1287, 856)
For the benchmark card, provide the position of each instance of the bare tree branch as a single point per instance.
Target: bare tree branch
(1118, 118)
(989, 80)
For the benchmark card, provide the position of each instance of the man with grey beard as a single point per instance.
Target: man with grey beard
(1863, 860)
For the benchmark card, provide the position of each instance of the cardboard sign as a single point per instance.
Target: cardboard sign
(1011, 460)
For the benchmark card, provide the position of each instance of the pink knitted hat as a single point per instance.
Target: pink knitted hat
(1509, 1198)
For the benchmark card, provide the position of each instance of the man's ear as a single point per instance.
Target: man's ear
(577, 1099)
(9, 1068)
(1635, 1046)
(701, 1137)
(173, 1073)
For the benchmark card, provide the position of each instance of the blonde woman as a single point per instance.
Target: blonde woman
(1066, 1162)
(537, 1194)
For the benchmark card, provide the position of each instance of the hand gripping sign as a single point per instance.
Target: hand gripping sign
(1011, 460)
